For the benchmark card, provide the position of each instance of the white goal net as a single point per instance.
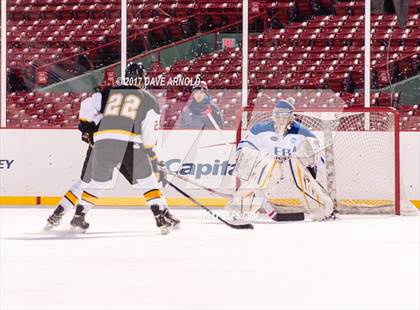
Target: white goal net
(360, 148)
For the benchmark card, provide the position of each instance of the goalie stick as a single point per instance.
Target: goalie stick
(279, 217)
(235, 226)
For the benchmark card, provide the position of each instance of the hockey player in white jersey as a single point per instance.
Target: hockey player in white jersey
(272, 150)
(89, 122)
(138, 159)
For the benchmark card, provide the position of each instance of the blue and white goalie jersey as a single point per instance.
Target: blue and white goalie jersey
(298, 141)
(263, 137)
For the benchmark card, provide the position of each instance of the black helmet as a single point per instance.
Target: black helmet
(135, 70)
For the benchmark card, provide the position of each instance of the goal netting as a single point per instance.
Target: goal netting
(360, 150)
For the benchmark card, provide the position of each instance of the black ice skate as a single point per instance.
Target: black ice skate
(175, 223)
(55, 219)
(161, 220)
(79, 224)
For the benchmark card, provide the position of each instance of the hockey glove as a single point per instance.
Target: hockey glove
(87, 129)
(87, 137)
(161, 177)
(85, 126)
(162, 174)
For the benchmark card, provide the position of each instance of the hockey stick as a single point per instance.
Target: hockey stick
(235, 226)
(225, 195)
(217, 127)
(280, 217)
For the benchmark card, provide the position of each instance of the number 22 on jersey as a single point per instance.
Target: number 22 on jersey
(120, 105)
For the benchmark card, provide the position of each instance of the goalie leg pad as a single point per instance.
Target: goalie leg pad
(315, 198)
(254, 168)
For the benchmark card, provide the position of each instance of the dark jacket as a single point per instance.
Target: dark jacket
(194, 116)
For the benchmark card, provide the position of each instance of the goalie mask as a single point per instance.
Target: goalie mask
(282, 115)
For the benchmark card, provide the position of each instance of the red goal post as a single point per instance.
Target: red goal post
(362, 143)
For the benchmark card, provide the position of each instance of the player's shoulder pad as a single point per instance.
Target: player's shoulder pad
(262, 127)
(96, 100)
(299, 129)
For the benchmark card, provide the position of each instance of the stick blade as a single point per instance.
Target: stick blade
(289, 217)
(242, 226)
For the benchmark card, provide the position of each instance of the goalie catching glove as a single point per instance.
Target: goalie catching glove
(309, 153)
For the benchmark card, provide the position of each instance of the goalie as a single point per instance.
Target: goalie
(276, 152)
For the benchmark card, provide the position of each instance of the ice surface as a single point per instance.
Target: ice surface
(358, 262)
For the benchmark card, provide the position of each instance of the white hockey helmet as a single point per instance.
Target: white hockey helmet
(282, 115)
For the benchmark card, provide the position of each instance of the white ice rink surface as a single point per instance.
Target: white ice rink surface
(363, 262)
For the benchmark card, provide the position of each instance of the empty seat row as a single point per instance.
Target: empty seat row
(60, 110)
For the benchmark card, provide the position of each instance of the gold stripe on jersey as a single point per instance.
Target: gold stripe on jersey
(117, 134)
(71, 197)
(152, 194)
(84, 119)
(89, 197)
(124, 132)
(148, 146)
